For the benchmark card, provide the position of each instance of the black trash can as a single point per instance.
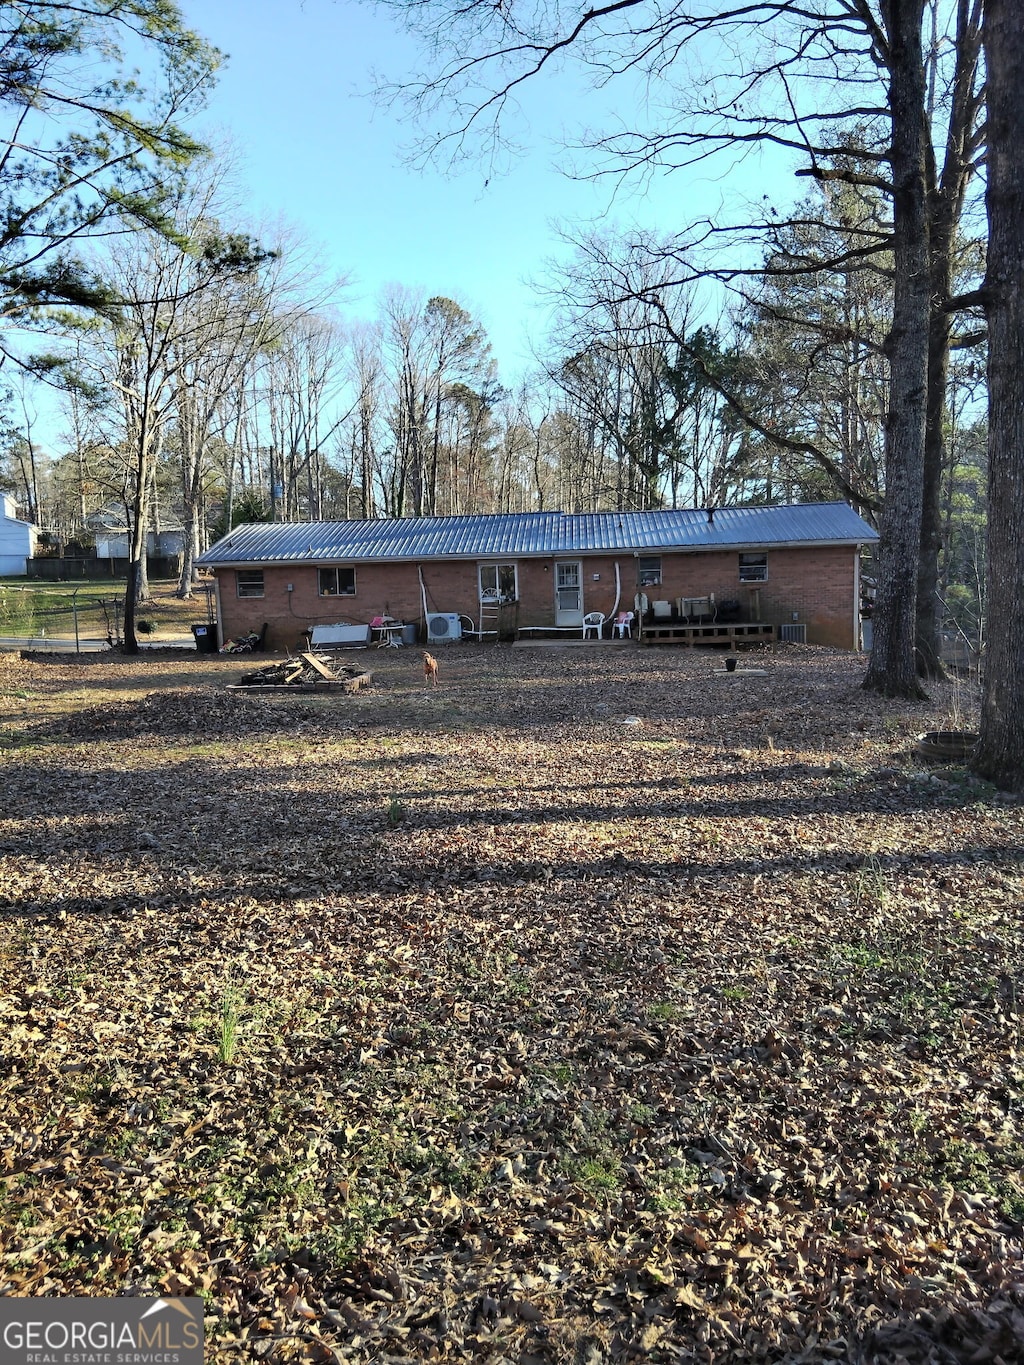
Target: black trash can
(206, 638)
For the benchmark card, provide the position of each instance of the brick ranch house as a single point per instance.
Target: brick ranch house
(526, 573)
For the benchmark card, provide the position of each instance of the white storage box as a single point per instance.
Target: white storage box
(339, 636)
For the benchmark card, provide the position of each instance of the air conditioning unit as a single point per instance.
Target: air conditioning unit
(443, 626)
(797, 635)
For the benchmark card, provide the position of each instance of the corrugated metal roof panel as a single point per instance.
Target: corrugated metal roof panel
(538, 533)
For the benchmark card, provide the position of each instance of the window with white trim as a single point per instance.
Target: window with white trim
(498, 583)
(337, 581)
(249, 582)
(754, 568)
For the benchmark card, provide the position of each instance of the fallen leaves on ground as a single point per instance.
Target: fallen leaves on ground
(475, 1024)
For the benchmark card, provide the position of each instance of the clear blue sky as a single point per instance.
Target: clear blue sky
(315, 150)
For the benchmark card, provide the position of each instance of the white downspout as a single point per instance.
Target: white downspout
(618, 596)
(220, 617)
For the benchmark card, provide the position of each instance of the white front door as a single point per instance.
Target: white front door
(568, 592)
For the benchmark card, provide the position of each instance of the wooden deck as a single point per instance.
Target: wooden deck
(728, 635)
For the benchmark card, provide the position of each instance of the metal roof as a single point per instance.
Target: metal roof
(515, 534)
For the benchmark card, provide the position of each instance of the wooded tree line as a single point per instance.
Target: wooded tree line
(259, 406)
(846, 357)
(242, 397)
(904, 98)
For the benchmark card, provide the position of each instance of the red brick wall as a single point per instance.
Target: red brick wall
(385, 589)
(816, 583)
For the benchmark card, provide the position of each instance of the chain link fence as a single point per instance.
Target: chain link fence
(86, 617)
(79, 619)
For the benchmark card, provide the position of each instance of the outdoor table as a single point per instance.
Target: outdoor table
(390, 635)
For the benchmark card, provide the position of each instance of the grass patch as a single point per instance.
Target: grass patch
(601, 1174)
(673, 1188)
(230, 1019)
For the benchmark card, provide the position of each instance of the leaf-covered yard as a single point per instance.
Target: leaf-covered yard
(592, 1006)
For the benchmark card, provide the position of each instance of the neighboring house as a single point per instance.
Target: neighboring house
(159, 544)
(17, 539)
(531, 570)
(113, 542)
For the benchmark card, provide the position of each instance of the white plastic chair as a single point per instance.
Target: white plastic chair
(593, 621)
(623, 626)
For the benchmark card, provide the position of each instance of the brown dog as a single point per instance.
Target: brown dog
(430, 669)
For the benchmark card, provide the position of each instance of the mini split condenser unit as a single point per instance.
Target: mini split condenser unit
(443, 626)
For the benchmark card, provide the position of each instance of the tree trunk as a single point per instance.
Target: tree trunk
(149, 521)
(189, 549)
(136, 545)
(929, 617)
(1000, 752)
(147, 446)
(893, 669)
(945, 209)
(191, 480)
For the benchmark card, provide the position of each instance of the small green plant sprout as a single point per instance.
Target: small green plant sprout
(599, 1173)
(736, 992)
(674, 1187)
(869, 887)
(230, 1017)
(396, 812)
(666, 1010)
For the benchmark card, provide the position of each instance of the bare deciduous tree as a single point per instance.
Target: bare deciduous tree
(801, 77)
